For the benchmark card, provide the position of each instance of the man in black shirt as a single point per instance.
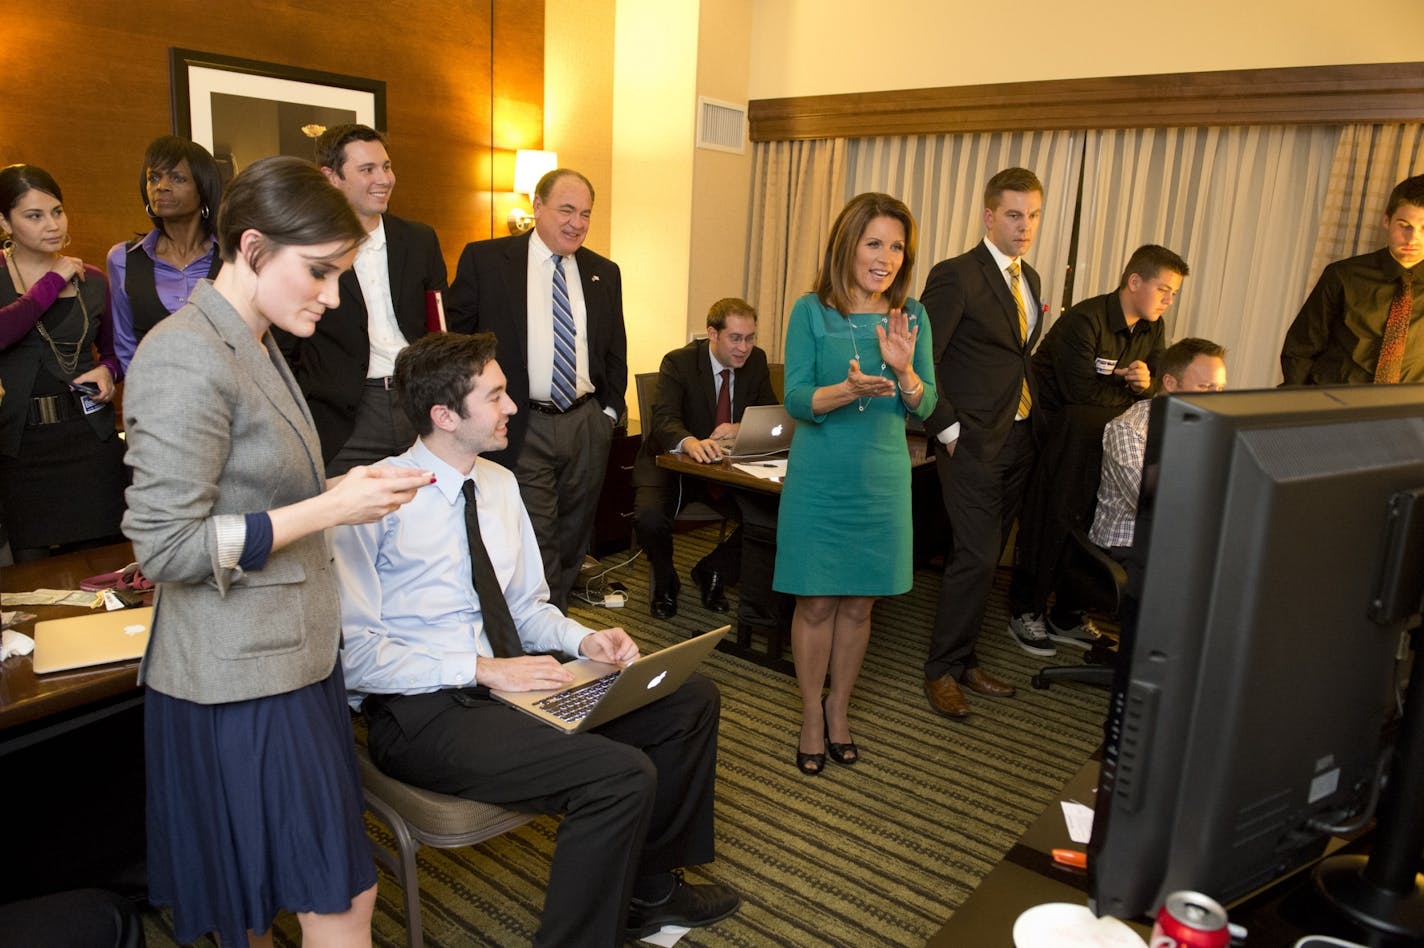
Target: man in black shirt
(1361, 322)
(1095, 361)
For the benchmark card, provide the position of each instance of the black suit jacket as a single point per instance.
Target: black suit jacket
(330, 365)
(686, 404)
(491, 294)
(980, 361)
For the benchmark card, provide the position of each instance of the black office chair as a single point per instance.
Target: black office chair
(1099, 581)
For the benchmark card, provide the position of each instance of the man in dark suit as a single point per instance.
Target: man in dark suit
(703, 389)
(557, 309)
(344, 368)
(985, 316)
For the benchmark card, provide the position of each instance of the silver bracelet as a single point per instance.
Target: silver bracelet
(907, 393)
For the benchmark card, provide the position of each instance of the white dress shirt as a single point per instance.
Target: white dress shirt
(540, 321)
(373, 272)
(410, 620)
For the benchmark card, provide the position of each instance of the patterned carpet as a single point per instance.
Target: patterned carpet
(878, 854)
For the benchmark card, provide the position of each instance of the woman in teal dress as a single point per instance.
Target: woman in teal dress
(858, 357)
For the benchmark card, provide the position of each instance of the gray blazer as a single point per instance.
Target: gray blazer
(216, 425)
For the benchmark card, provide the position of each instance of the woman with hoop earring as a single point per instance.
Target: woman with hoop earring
(153, 275)
(62, 474)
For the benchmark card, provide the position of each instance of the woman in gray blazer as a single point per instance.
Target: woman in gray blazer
(254, 801)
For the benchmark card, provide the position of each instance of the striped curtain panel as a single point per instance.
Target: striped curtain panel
(1242, 206)
(1369, 161)
(942, 178)
(798, 189)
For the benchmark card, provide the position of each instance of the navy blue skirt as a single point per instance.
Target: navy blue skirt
(253, 807)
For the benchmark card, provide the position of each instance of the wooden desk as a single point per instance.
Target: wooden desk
(1027, 876)
(27, 698)
(725, 472)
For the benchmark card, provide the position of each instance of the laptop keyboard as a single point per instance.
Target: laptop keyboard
(574, 704)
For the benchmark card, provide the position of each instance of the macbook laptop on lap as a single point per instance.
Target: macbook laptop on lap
(82, 641)
(601, 692)
(765, 429)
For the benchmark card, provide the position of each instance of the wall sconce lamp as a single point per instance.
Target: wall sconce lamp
(529, 167)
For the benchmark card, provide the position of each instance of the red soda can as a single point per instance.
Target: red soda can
(1190, 920)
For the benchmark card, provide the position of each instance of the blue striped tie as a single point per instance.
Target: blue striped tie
(565, 378)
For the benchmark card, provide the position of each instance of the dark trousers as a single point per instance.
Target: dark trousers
(981, 498)
(658, 506)
(382, 429)
(560, 472)
(636, 793)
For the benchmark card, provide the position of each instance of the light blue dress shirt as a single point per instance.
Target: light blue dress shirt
(410, 619)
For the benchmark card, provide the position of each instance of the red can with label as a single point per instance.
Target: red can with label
(1190, 920)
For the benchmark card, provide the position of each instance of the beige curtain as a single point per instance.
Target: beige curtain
(942, 178)
(798, 188)
(1369, 161)
(1241, 205)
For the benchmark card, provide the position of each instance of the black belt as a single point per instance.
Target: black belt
(385, 382)
(549, 408)
(51, 409)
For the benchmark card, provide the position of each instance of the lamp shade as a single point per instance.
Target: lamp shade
(530, 166)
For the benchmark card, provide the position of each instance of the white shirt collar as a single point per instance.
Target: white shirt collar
(541, 250)
(1000, 257)
(376, 239)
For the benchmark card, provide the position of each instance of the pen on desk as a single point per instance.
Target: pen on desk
(1071, 857)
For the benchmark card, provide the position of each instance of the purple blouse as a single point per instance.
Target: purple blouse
(174, 286)
(17, 319)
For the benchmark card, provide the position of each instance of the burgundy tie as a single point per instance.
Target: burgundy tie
(1396, 329)
(724, 399)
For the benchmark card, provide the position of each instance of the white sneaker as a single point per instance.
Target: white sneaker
(1032, 635)
(1084, 635)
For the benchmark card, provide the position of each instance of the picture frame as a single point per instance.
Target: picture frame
(245, 109)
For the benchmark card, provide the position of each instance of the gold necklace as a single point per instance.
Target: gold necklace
(68, 364)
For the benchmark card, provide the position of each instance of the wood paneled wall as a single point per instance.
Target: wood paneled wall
(1292, 96)
(85, 87)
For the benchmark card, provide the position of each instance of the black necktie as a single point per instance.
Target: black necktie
(499, 624)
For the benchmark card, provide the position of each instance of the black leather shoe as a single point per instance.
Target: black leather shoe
(690, 906)
(710, 582)
(664, 605)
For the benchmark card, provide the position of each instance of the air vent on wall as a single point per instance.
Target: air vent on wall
(721, 126)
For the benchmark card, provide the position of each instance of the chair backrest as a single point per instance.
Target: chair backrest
(647, 386)
(1097, 578)
(777, 371)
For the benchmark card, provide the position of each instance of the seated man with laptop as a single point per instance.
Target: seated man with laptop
(703, 389)
(444, 600)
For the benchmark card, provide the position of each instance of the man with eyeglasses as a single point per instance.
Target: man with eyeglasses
(557, 309)
(1094, 363)
(703, 389)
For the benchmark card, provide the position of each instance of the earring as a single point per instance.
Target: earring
(205, 212)
(67, 241)
(148, 210)
(7, 244)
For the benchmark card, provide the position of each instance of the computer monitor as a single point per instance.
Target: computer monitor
(1260, 670)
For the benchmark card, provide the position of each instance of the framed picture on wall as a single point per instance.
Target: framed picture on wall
(242, 109)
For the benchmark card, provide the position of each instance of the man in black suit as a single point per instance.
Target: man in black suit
(985, 315)
(703, 389)
(557, 309)
(345, 367)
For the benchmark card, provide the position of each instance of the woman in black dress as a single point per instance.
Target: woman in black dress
(61, 464)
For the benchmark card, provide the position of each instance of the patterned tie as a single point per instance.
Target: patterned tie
(499, 624)
(724, 399)
(1396, 329)
(1025, 399)
(564, 384)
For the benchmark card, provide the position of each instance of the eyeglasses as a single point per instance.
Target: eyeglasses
(737, 339)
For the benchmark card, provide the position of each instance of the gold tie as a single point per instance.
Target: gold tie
(1025, 399)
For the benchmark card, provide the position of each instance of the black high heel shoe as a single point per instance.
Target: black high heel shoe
(846, 754)
(810, 764)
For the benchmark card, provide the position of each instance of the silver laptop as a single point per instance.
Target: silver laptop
(601, 692)
(83, 641)
(765, 429)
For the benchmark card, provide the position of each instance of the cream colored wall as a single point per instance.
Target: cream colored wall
(815, 47)
(721, 181)
(654, 94)
(578, 100)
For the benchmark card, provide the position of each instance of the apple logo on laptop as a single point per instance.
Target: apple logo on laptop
(776, 431)
(658, 680)
(132, 630)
